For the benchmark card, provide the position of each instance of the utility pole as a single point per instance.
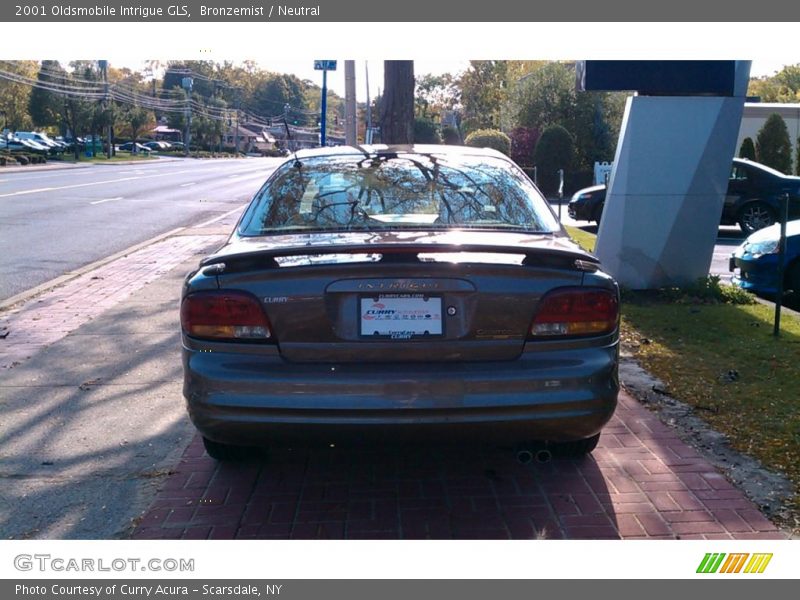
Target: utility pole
(324, 66)
(289, 144)
(187, 84)
(106, 108)
(368, 133)
(350, 129)
(323, 108)
(238, 100)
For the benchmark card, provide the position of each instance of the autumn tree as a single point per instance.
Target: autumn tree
(783, 86)
(15, 96)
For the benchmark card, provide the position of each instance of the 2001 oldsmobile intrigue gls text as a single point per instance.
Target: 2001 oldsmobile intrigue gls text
(423, 292)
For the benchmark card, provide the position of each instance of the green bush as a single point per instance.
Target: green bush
(747, 149)
(23, 160)
(706, 290)
(555, 150)
(773, 147)
(425, 132)
(451, 136)
(797, 166)
(489, 138)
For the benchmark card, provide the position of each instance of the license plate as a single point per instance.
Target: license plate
(401, 316)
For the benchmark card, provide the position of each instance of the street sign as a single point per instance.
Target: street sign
(324, 65)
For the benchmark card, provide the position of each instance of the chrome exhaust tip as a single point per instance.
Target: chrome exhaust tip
(524, 457)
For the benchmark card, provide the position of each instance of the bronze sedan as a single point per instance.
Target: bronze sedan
(400, 292)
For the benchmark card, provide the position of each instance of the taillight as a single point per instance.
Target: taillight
(575, 311)
(225, 315)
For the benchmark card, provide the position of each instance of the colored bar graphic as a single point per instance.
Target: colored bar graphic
(758, 563)
(734, 563)
(710, 562)
(740, 564)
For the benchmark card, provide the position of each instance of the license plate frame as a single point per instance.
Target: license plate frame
(401, 316)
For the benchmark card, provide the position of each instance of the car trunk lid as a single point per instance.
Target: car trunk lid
(408, 296)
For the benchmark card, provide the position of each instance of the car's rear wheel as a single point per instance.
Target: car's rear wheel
(575, 449)
(226, 452)
(755, 216)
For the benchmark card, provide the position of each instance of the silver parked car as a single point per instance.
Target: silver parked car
(399, 292)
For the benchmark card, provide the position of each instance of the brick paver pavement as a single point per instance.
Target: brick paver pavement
(642, 482)
(43, 321)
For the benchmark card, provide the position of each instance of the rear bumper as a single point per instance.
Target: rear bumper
(255, 399)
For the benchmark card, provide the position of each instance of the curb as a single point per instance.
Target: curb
(44, 167)
(47, 285)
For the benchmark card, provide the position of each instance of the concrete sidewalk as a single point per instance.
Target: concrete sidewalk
(90, 394)
(95, 444)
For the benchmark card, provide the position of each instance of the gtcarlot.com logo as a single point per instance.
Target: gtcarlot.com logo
(719, 562)
(46, 562)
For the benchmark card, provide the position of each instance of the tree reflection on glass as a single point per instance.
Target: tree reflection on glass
(398, 190)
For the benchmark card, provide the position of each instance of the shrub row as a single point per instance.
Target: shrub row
(21, 159)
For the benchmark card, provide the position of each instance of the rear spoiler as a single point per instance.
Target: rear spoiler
(399, 253)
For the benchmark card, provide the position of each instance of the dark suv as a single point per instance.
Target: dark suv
(752, 200)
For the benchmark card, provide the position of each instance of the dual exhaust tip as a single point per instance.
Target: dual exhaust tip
(542, 455)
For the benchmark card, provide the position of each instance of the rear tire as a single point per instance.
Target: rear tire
(576, 449)
(755, 216)
(226, 452)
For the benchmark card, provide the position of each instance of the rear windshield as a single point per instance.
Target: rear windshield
(414, 191)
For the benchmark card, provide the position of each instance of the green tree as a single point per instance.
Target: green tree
(747, 149)
(15, 96)
(773, 147)
(46, 107)
(277, 90)
(547, 96)
(137, 119)
(484, 88)
(434, 94)
(555, 150)
(797, 164)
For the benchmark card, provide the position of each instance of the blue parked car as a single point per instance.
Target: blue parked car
(757, 260)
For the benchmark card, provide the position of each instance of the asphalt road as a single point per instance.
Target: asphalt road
(54, 221)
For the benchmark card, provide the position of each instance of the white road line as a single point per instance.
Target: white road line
(107, 200)
(188, 184)
(79, 185)
(27, 192)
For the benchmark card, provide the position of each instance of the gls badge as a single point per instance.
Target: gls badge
(178, 11)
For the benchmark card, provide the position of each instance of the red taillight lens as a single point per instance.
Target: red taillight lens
(228, 315)
(575, 312)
